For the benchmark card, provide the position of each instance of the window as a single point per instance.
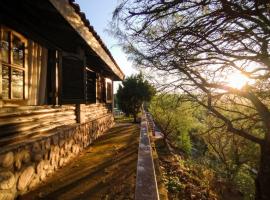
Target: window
(101, 89)
(109, 91)
(73, 80)
(90, 86)
(12, 64)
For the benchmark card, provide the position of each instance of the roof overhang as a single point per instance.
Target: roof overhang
(79, 23)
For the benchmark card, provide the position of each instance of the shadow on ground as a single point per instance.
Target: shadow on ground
(105, 170)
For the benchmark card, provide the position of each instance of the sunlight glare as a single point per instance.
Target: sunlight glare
(237, 80)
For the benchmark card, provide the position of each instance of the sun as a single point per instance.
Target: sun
(237, 80)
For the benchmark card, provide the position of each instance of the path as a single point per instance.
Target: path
(105, 170)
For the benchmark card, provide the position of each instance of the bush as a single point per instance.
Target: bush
(184, 142)
(245, 183)
(174, 185)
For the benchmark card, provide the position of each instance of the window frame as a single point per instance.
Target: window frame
(13, 67)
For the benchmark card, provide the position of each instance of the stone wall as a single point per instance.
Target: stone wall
(26, 165)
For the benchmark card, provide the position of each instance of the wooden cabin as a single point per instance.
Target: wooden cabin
(56, 96)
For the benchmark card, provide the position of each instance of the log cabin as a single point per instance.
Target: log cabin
(56, 96)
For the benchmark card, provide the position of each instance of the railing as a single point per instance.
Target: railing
(146, 184)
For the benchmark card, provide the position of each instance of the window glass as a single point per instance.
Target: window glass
(12, 55)
(5, 82)
(109, 91)
(17, 84)
(5, 47)
(17, 48)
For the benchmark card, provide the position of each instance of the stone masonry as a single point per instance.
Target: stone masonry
(27, 165)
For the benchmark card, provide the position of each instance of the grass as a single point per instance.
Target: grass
(123, 119)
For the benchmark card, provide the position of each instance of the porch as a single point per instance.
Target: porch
(104, 170)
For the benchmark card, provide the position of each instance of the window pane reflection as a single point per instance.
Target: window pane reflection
(5, 82)
(17, 84)
(5, 47)
(18, 48)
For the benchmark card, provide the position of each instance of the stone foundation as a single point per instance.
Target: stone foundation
(25, 166)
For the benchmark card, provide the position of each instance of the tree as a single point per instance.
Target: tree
(134, 92)
(175, 119)
(198, 44)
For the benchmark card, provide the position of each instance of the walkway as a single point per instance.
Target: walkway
(105, 170)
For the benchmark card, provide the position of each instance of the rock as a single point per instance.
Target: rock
(36, 147)
(22, 156)
(34, 182)
(25, 178)
(40, 167)
(7, 180)
(55, 139)
(46, 155)
(50, 170)
(66, 146)
(75, 149)
(26, 157)
(71, 142)
(62, 152)
(7, 159)
(61, 142)
(62, 135)
(46, 165)
(43, 175)
(38, 156)
(54, 156)
(61, 162)
(6, 195)
(53, 151)
(48, 144)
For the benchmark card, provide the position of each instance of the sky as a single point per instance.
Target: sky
(99, 13)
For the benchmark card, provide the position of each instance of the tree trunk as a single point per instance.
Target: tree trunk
(263, 178)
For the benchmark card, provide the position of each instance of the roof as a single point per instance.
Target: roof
(71, 17)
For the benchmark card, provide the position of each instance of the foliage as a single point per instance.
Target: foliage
(181, 179)
(244, 181)
(123, 119)
(183, 141)
(214, 153)
(195, 46)
(173, 184)
(175, 120)
(134, 92)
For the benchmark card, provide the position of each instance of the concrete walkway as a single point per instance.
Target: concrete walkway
(105, 170)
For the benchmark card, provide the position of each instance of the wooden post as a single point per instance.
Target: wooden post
(113, 103)
(80, 113)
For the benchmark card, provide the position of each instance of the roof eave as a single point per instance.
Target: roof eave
(71, 12)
